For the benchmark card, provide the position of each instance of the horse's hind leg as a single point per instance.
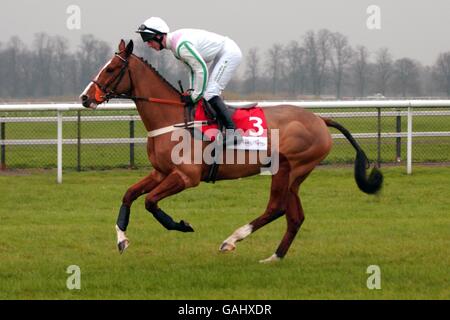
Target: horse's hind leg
(275, 208)
(295, 217)
(135, 191)
(294, 213)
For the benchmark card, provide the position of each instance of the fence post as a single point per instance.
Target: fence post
(409, 143)
(379, 138)
(59, 143)
(398, 140)
(78, 141)
(131, 144)
(3, 147)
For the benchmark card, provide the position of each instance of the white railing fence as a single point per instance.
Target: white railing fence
(408, 108)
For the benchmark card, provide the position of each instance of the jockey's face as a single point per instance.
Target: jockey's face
(153, 44)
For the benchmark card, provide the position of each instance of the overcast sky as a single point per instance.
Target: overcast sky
(417, 29)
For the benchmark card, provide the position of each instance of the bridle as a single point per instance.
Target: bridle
(103, 93)
(107, 94)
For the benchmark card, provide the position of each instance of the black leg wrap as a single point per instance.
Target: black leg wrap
(164, 219)
(124, 218)
(279, 254)
(168, 222)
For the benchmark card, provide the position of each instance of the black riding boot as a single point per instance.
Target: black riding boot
(221, 109)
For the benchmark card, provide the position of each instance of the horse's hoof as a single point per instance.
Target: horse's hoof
(272, 258)
(185, 226)
(122, 245)
(225, 247)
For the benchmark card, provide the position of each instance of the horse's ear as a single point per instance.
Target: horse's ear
(121, 45)
(129, 49)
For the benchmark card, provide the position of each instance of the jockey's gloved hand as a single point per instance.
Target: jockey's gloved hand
(186, 98)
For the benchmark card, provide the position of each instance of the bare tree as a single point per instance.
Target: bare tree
(86, 59)
(73, 76)
(3, 90)
(275, 65)
(253, 68)
(14, 77)
(406, 76)
(441, 72)
(312, 59)
(340, 58)
(317, 49)
(2, 70)
(383, 69)
(61, 64)
(361, 69)
(92, 54)
(295, 56)
(43, 48)
(427, 81)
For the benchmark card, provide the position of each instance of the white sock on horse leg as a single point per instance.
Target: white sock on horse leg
(240, 234)
(120, 235)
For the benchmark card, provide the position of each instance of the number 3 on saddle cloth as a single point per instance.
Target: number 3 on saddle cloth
(250, 120)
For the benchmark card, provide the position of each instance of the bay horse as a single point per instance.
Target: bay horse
(304, 141)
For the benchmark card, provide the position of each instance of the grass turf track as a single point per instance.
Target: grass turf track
(46, 227)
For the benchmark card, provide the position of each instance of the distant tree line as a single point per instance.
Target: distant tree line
(323, 63)
(48, 68)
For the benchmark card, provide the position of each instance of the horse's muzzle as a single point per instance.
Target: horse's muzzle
(87, 103)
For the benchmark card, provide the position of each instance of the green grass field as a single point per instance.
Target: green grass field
(47, 227)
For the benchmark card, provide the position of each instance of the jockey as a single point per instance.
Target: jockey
(198, 49)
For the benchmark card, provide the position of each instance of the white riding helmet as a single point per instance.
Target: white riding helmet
(152, 27)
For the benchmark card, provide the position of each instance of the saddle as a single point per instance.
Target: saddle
(203, 111)
(249, 118)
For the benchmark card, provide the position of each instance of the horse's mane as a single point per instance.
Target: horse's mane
(148, 65)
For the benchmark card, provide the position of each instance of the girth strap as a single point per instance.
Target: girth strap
(188, 125)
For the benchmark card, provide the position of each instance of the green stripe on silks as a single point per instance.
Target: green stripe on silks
(202, 63)
(168, 222)
(124, 218)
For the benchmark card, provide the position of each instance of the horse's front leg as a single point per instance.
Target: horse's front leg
(175, 182)
(135, 191)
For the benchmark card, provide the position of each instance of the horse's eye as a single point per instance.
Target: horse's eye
(109, 70)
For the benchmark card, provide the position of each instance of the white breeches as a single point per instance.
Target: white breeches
(223, 68)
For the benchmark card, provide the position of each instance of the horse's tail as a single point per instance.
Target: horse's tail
(371, 184)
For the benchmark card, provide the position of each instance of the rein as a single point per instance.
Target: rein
(108, 95)
(102, 93)
(152, 100)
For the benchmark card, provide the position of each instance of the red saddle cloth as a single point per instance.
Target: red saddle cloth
(251, 121)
